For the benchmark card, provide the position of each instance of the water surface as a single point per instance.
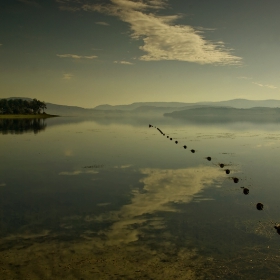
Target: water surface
(115, 199)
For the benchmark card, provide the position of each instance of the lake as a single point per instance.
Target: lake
(115, 199)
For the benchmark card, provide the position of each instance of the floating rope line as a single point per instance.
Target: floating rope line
(259, 205)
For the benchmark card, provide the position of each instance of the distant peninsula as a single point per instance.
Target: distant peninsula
(23, 108)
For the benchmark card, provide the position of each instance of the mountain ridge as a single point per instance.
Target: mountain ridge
(153, 107)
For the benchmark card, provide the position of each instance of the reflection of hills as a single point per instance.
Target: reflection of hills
(226, 115)
(20, 126)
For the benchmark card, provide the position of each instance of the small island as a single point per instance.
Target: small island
(22, 108)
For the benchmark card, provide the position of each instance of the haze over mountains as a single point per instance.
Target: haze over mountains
(236, 108)
(235, 103)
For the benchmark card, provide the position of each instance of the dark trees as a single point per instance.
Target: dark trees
(21, 106)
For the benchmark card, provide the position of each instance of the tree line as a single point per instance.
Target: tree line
(21, 106)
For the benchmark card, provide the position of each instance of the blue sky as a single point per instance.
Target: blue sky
(86, 53)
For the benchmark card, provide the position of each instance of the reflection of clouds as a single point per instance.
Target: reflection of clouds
(68, 153)
(78, 172)
(162, 188)
(27, 235)
(198, 198)
(123, 166)
(103, 204)
(268, 144)
(2, 184)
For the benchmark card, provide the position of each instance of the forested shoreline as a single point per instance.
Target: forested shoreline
(22, 107)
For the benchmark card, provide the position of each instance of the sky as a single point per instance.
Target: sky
(89, 52)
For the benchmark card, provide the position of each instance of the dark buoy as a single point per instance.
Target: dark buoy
(209, 158)
(259, 206)
(245, 191)
(167, 136)
(170, 138)
(235, 180)
(277, 227)
(163, 134)
(150, 125)
(185, 147)
(227, 171)
(176, 142)
(193, 151)
(221, 165)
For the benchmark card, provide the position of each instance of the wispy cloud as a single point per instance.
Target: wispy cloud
(78, 172)
(67, 76)
(271, 86)
(123, 166)
(244, 78)
(75, 56)
(69, 152)
(102, 23)
(163, 39)
(1, 45)
(262, 85)
(258, 84)
(123, 62)
(2, 184)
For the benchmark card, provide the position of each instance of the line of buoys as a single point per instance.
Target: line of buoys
(246, 191)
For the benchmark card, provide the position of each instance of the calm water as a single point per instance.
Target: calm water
(105, 199)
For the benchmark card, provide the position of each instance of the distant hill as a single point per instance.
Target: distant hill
(235, 103)
(155, 108)
(136, 105)
(244, 103)
(222, 114)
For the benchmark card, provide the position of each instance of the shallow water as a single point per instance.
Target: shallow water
(115, 199)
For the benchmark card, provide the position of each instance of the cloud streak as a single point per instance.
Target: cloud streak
(67, 76)
(162, 38)
(78, 172)
(262, 85)
(123, 62)
(75, 56)
(102, 23)
(244, 78)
